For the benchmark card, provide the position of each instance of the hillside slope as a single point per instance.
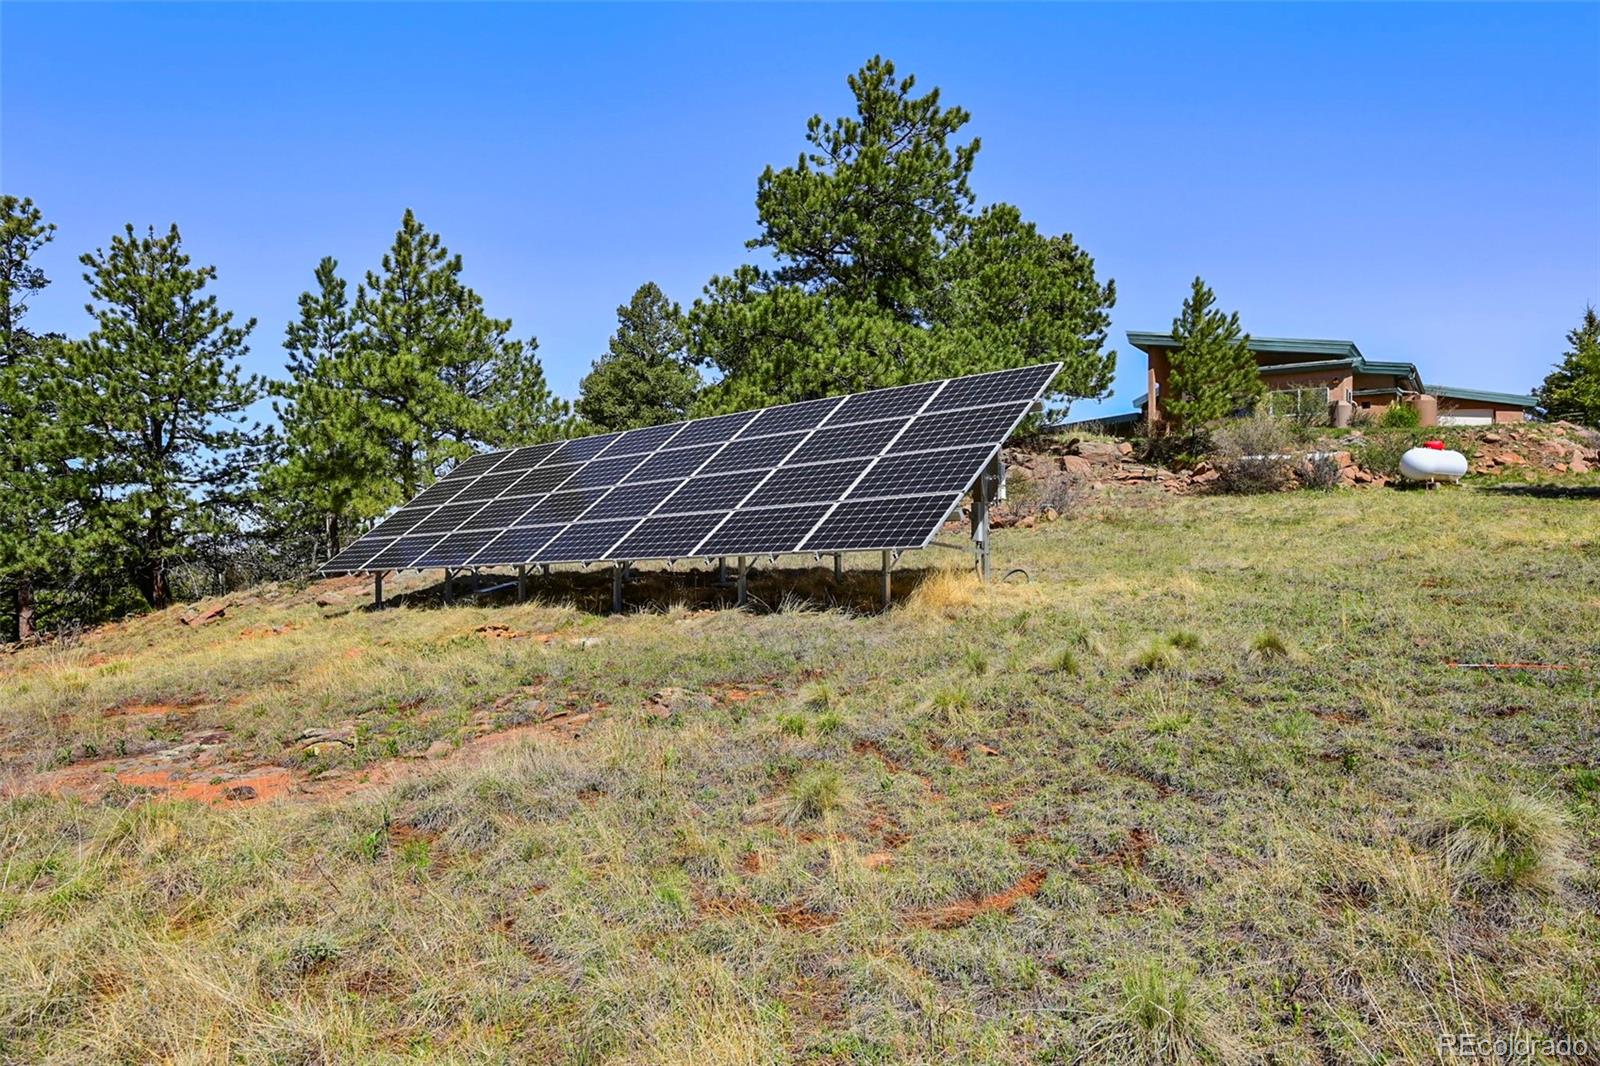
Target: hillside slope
(1207, 788)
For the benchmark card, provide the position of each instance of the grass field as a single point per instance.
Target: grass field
(1206, 790)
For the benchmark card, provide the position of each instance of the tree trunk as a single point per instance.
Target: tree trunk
(153, 584)
(25, 610)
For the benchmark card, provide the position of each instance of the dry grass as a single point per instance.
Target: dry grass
(959, 831)
(1500, 840)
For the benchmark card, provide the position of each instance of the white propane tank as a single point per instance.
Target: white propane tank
(1433, 462)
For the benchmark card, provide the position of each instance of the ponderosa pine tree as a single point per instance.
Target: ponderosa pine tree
(644, 379)
(1572, 390)
(321, 481)
(1213, 373)
(885, 274)
(157, 391)
(30, 439)
(1015, 297)
(416, 377)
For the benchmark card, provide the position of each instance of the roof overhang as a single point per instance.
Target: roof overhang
(1335, 349)
(1510, 399)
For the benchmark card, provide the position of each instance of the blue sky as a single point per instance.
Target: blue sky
(1423, 180)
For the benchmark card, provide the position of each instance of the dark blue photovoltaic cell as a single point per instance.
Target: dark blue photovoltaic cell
(900, 523)
(822, 483)
(562, 506)
(672, 464)
(644, 441)
(545, 478)
(763, 453)
(585, 542)
(771, 531)
(489, 486)
(790, 417)
(1001, 386)
(398, 556)
(475, 465)
(447, 518)
(667, 537)
(516, 545)
(868, 438)
(584, 448)
(712, 430)
(403, 520)
(455, 549)
(356, 554)
(885, 403)
(974, 426)
(434, 495)
(905, 475)
(635, 500)
(719, 492)
(602, 473)
(526, 458)
(502, 513)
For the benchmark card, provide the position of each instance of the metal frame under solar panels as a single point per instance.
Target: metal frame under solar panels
(851, 467)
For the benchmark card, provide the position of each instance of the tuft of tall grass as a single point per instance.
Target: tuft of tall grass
(1154, 1016)
(1270, 645)
(1493, 839)
(814, 794)
(1157, 656)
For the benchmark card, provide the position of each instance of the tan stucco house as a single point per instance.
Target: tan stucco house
(1351, 382)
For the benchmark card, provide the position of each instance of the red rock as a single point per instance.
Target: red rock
(207, 616)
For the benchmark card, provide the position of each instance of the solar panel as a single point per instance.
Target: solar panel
(768, 531)
(863, 524)
(585, 542)
(475, 465)
(516, 545)
(817, 483)
(874, 470)
(905, 475)
(667, 536)
(673, 464)
(791, 416)
(525, 458)
(715, 492)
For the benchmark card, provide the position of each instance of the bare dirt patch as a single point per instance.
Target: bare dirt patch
(958, 914)
(201, 767)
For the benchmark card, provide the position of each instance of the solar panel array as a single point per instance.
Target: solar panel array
(870, 471)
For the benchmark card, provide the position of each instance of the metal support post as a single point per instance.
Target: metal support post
(744, 580)
(522, 584)
(888, 561)
(449, 586)
(983, 492)
(616, 587)
(377, 590)
(722, 572)
(838, 567)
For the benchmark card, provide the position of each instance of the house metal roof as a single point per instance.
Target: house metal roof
(1337, 354)
(1509, 398)
(1145, 340)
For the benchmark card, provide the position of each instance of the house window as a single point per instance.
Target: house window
(1307, 406)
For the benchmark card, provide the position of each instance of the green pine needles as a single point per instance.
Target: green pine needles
(1213, 373)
